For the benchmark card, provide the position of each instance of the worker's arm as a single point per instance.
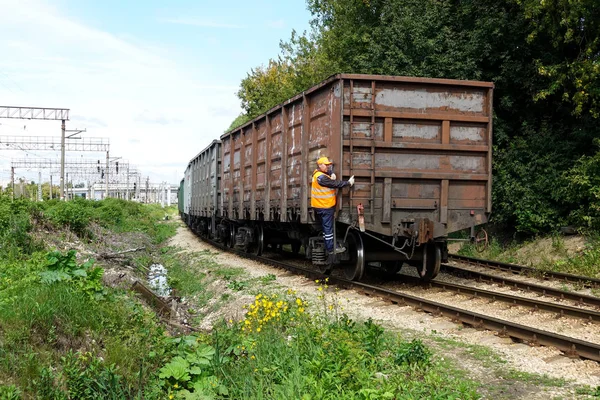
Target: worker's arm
(326, 181)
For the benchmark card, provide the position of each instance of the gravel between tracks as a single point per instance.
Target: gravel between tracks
(537, 360)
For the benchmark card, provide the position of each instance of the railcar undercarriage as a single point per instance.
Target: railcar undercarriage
(363, 249)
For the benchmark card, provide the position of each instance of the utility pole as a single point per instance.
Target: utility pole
(168, 195)
(106, 175)
(62, 160)
(12, 182)
(67, 187)
(127, 190)
(40, 186)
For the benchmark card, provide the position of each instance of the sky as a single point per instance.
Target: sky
(157, 78)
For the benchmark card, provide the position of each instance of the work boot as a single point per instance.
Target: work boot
(340, 249)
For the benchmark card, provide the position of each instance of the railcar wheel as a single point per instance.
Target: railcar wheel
(355, 268)
(257, 247)
(231, 240)
(430, 266)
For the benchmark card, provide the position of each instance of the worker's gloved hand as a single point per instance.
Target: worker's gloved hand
(351, 180)
(333, 176)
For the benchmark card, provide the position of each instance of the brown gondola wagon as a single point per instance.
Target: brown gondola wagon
(420, 149)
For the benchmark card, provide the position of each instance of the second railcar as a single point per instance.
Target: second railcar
(202, 183)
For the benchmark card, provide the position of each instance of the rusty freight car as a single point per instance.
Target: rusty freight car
(420, 150)
(201, 190)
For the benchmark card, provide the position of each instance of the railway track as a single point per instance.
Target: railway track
(572, 347)
(580, 299)
(528, 271)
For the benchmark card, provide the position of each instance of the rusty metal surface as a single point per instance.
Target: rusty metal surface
(419, 148)
(203, 177)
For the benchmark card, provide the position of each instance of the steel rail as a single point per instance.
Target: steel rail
(532, 287)
(561, 310)
(571, 346)
(523, 270)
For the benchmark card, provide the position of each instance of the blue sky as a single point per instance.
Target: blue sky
(158, 79)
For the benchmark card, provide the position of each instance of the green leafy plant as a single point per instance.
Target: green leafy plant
(191, 372)
(9, 392)
(413, 353)
(64, 267)
(237, 285)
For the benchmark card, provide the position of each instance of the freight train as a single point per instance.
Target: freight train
(420, 150)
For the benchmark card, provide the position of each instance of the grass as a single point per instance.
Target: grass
(62, 333)
(555, 257)
(282, 350)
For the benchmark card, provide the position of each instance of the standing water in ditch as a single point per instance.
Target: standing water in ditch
(157, 280)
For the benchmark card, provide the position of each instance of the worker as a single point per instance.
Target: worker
(323, 199)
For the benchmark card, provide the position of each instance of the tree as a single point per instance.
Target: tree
(572, 65)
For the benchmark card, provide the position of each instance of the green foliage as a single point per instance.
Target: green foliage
(9, 392)
(191, 372)
(413, 353)
(572, 64)
(65, 268)
(15, 226)
(237, 285)
(581, 191)
(282, 351)
(75, 214)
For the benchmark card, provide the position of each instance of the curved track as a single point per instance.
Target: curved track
(570, 346)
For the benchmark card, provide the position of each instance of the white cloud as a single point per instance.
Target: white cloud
(155, 110)
(200, 22)
(278, 24)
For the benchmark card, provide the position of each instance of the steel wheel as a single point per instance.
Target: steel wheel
(481, 241)
(257, 247)
(232, 233)
(430, 266)
(355, 268)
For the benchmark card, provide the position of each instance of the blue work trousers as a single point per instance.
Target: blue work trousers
(327, 221)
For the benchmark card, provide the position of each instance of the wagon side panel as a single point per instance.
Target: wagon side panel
(418, 149)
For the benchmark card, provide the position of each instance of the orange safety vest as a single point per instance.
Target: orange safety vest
(321, 196)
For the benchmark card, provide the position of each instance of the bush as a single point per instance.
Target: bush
(581, 191)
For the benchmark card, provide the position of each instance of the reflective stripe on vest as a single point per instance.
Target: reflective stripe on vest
(321, 196)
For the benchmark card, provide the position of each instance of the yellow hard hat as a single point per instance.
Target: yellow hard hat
(324, 160)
